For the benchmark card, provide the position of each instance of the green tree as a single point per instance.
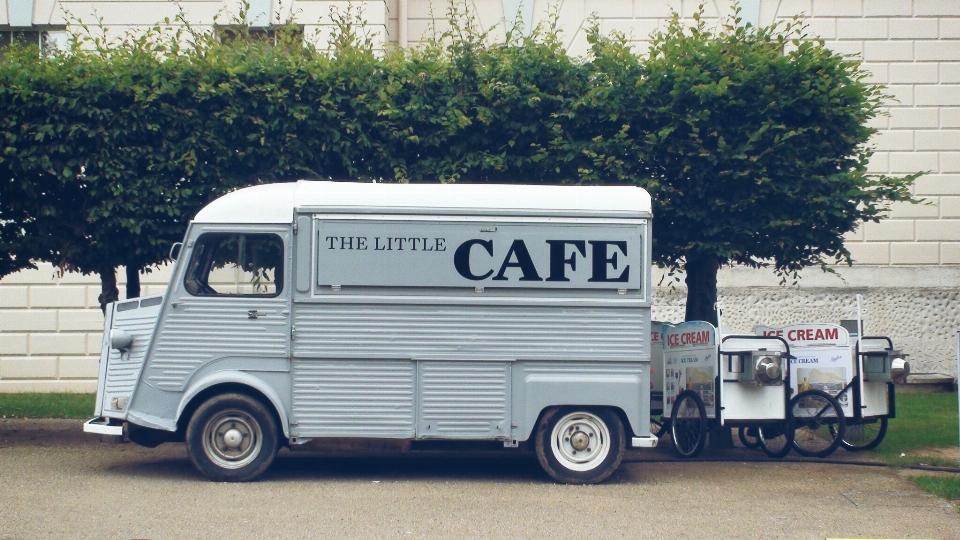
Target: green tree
(755, 149)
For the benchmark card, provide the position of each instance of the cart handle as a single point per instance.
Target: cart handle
(750, 336)
(885, 338)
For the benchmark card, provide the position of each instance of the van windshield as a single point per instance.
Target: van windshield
(236, 265)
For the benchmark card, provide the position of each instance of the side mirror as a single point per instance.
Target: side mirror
(175, 250)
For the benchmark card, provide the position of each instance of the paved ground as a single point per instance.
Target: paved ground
(56, 482)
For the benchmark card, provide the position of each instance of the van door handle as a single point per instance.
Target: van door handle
(253, 314)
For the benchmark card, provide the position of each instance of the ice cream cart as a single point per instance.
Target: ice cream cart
(820, 367)
(741, 380)
(834, 374)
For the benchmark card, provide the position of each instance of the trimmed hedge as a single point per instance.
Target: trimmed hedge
(753, 155)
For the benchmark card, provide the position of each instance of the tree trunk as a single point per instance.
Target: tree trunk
(108, 289)
(701, 306)
(702, 288)
(133, 282)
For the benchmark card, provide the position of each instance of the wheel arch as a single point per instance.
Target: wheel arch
(223, 382)
(550, 410)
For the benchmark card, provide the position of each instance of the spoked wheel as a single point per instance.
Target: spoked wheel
(232, 438)
(818, 423)
(688, 424)
(749, 437)
(776, 439)
(864, 436)
(580, 445)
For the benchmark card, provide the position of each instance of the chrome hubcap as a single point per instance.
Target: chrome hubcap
(580, 441)
(232, 439)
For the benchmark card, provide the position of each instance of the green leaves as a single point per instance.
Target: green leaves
(772, 142)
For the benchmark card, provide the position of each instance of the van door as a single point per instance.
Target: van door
(231, 305)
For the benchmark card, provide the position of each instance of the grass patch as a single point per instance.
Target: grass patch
(925, 432)
(42, 405)
(923, 421)
(941, 486)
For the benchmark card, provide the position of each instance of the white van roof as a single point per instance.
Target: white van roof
(276, 203)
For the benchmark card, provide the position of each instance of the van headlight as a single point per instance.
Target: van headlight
(120, 340)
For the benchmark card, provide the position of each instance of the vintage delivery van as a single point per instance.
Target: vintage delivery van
(312, 310)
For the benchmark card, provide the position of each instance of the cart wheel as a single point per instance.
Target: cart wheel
(748, 437)
(580, 445)
(818, 423)
(865, 436)
(776, 439)
(688, 424)
(232, 438)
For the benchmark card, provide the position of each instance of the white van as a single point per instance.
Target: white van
(312, 310)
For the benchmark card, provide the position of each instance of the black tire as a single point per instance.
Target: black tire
(776, 439)
(232, 438)
(818, 423)
(580, 445)
(864, 436)
(688, 424)
(749, 437)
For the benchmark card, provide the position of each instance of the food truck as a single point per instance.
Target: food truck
(316, 310)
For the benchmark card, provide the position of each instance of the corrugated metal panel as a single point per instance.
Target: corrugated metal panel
(201, 330)
(123, 370)
(583, 368)
(464, 400)
(353, 398)
(484, 332)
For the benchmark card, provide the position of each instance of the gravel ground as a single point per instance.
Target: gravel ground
(56, 482)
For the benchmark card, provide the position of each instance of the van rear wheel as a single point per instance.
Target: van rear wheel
(232, 438)
(580, 445)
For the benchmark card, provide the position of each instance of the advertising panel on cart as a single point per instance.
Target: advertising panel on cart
(690, 363)
(822, 359)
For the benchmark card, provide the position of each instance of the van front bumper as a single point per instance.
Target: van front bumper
(104, 426)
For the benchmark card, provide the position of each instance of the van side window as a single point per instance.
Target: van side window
(225, 264)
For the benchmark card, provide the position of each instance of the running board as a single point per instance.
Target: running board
(644, 442)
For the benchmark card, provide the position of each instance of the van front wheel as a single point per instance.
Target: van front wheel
(232, 438)
(580, 445)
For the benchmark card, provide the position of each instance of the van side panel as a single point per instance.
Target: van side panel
(354, 398)
(471, 371)
(199, 331)
(538, 385)
(464, 400)
(484, 332)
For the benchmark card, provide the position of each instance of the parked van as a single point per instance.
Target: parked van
(311, 310)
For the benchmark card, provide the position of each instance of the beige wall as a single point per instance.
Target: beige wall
(51, 327)
(908, 267)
